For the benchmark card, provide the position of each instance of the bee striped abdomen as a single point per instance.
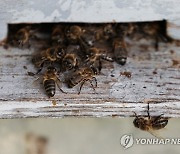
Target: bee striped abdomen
(160, 123)
(50, 87)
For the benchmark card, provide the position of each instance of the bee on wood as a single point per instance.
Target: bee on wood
(49, 55)
(71, 60)
(50, 80)
(120, 51)
(80, 76)
(150, 123)
(73, 34)
(119, 44)
(95, 55)
(57, 35)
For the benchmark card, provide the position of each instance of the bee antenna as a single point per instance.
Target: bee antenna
(135, 114)
(148, 111)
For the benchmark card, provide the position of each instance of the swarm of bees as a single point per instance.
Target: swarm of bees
(79, 49)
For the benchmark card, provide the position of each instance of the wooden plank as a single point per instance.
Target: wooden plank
(155, 78)
(173, 28)
(96, 11)
(85, 10)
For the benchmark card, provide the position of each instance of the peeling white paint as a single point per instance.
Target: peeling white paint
(87, 11)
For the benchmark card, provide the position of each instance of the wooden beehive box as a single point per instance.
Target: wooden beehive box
(155, 75)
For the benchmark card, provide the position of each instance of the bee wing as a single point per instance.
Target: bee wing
(58, 83)
(156, 133)
(36, 81)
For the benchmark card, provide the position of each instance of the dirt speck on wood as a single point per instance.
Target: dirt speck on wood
(30, 73)
(25, 67)
(54, 102)
(127, 74)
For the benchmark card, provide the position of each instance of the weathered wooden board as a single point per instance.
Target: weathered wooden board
(37, 11)
(155, 78)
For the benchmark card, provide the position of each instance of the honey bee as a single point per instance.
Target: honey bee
(82, 75)
(23, 35)
(71, 59)
(120, 51)
(57, 35)
(4, 43)
(105, 32)
(126, 29)
(150, 123)
(74, 33)
(96, 55)
(157, 31)
(88, 37)
(49, 55)
(50, 80)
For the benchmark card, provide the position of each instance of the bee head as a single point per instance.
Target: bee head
(92, 52)
(73, 32)
(76, 30)
(68, 64)
(139, 122)
(60, 52)
(108, 30)
(95, 70)
(51, 69)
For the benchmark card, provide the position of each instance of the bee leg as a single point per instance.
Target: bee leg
(81, 86)
(28, 44)
(95, 81)
(156, 43)
(148, 111)
(58, 85)
(35, 82)
(20, 43)
(135, 114)
(40, 69)
(61, 89)
(100, 66)
(93, 87)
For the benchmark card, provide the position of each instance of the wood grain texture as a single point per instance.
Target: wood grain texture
(155, 78)
(96, 11)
